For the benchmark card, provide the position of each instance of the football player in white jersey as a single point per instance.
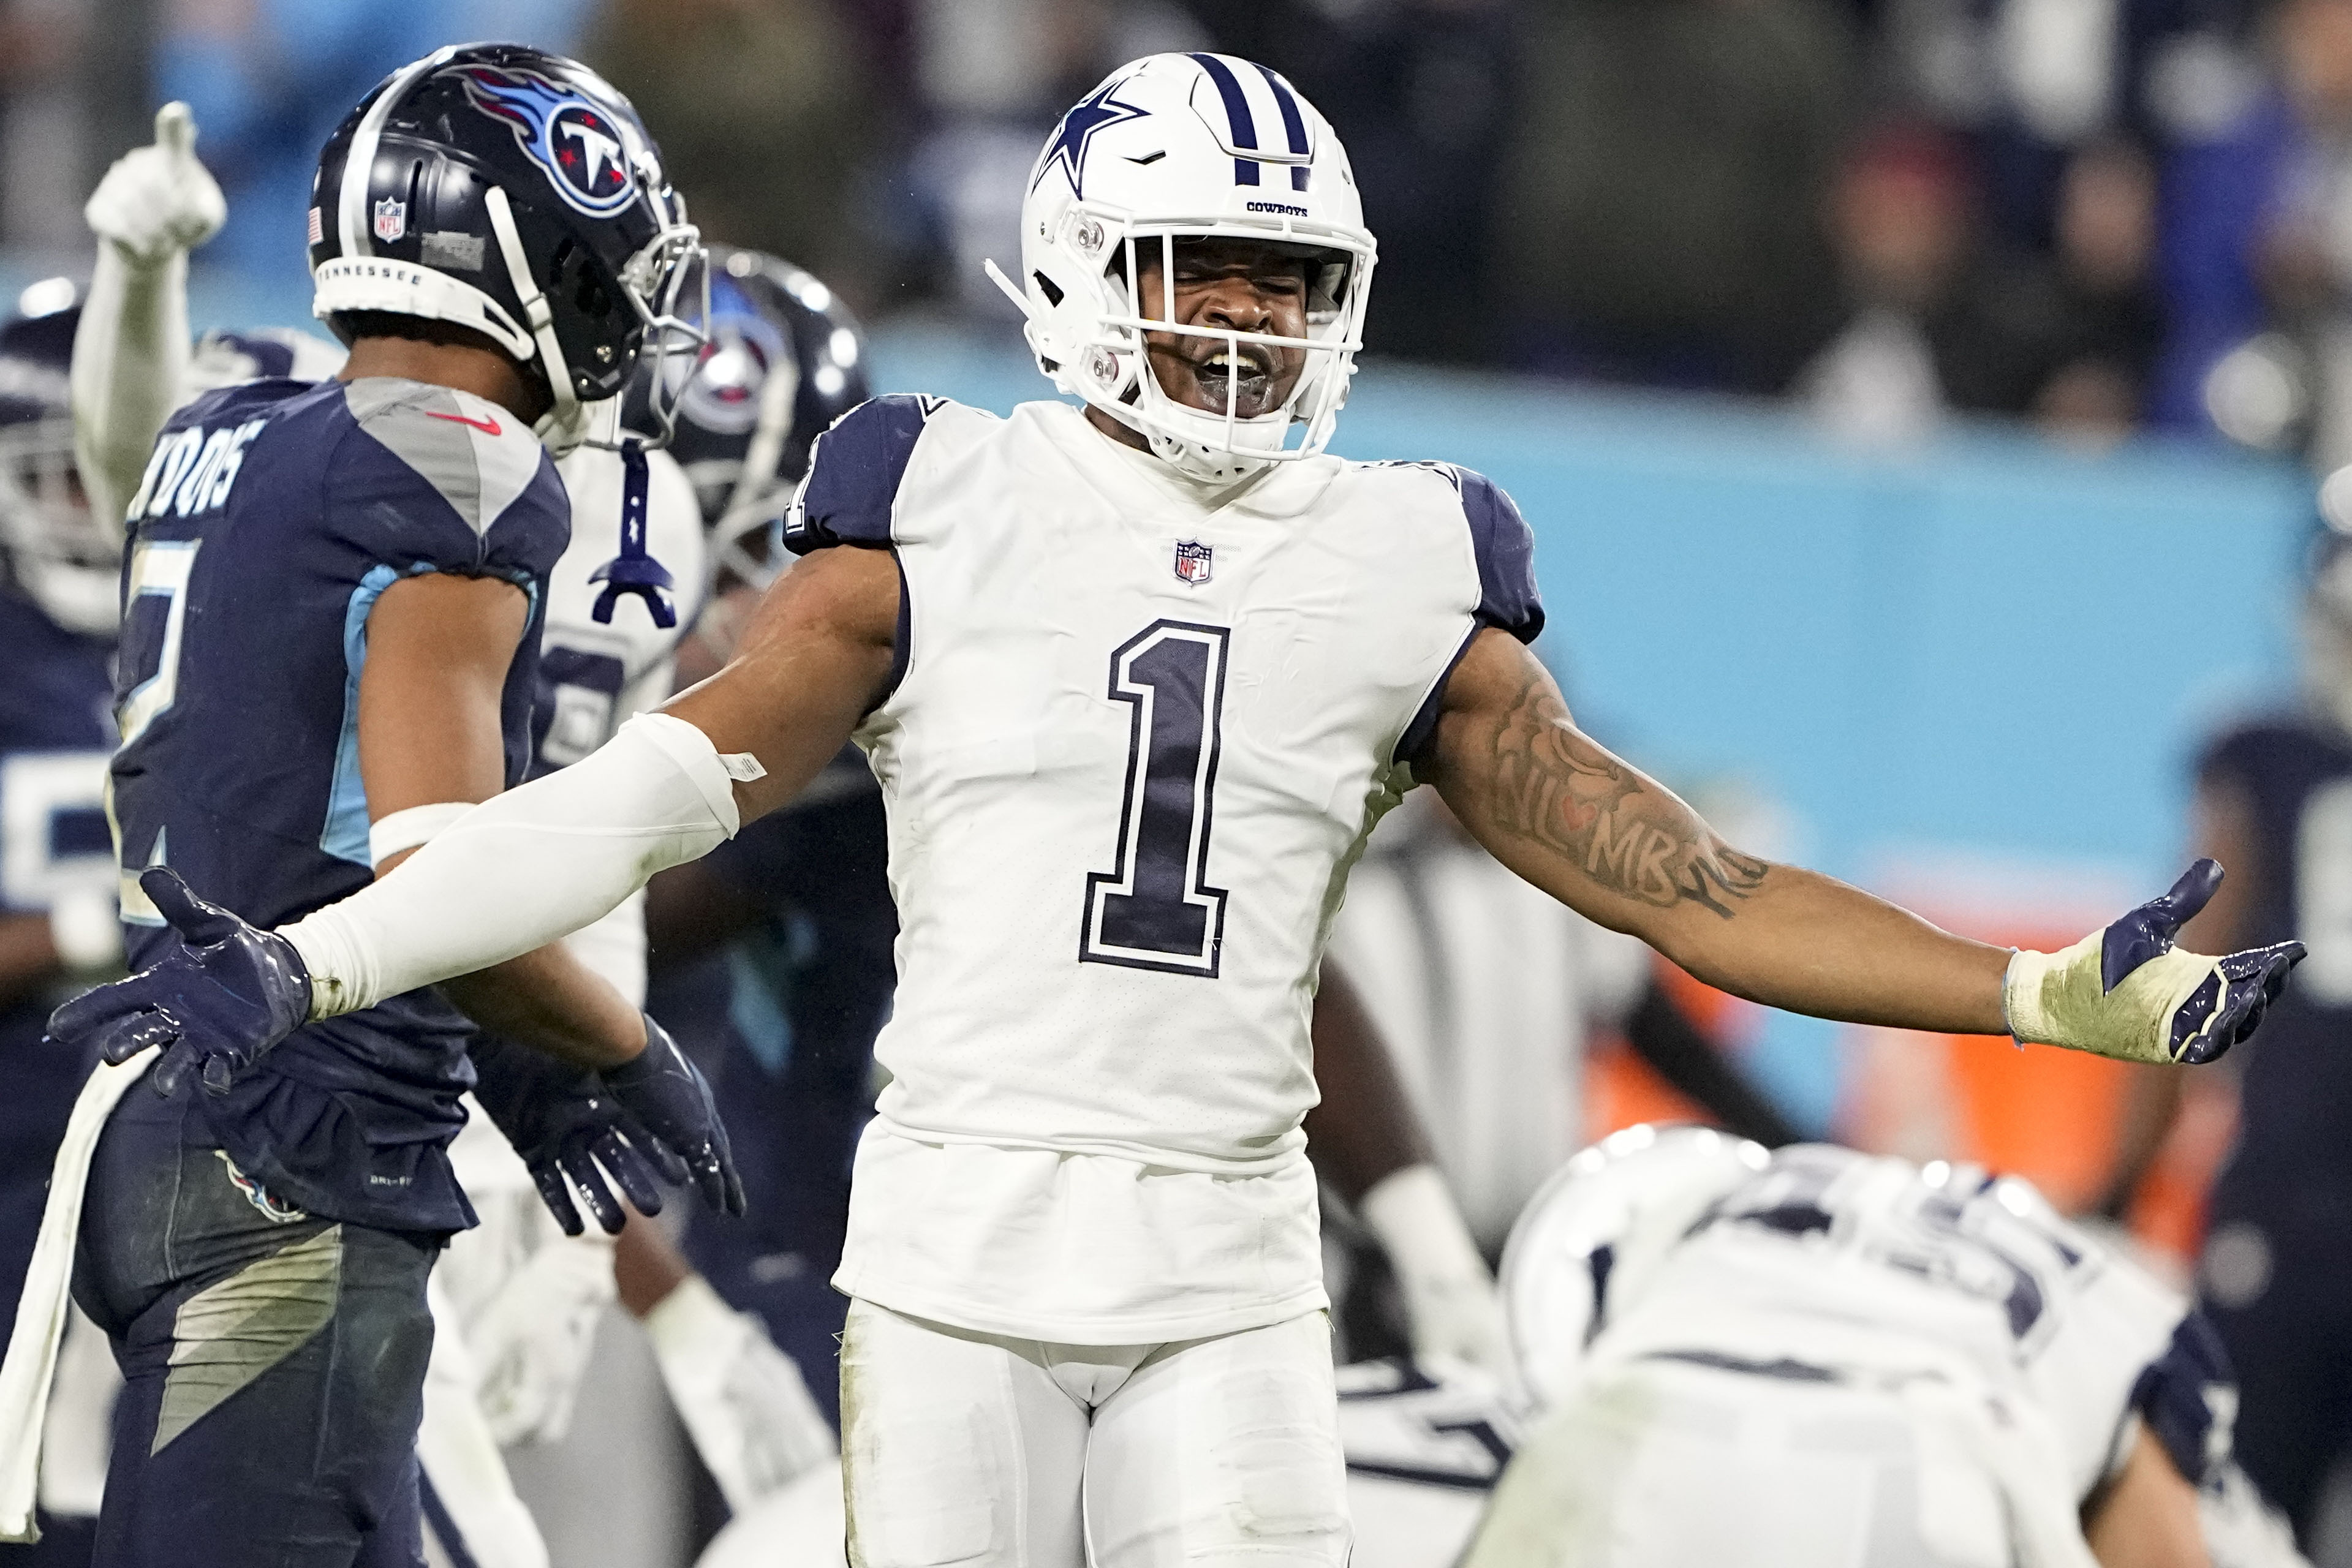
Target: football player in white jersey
(1136, 680)
(1858, 1362)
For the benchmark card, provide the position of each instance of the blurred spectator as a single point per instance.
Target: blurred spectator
(45, 158)
(763, 115)
(2113, 324)
(1935, 319)
(1666, 163)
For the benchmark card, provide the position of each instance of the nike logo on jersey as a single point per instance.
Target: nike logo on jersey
(487, 427)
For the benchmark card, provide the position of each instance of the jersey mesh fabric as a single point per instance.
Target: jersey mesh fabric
(1138, 741)
(245, 633)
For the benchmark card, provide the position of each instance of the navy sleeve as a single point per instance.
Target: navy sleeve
(2175, 1397)
(854, 471)
(1505, 550)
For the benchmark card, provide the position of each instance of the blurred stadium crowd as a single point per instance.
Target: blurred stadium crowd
(2100, 215)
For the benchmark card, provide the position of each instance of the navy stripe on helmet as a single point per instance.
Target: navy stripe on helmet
(1237, 111)
(1294, 124)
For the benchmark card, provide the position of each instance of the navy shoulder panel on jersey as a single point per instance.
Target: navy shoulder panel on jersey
(1505, 550)
(854, 471)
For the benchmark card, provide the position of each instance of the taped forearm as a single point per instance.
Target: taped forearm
(526, 867)
(130, 368)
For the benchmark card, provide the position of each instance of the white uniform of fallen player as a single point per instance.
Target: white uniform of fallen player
(1857, 1361)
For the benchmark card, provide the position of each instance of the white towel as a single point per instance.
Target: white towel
(41, 1310)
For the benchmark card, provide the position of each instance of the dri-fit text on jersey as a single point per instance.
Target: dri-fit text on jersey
(192, 470)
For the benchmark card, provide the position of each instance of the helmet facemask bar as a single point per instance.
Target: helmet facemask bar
(60, 550)
(671, 271)
(1337, 290)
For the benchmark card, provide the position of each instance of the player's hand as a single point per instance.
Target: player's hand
(1450, 1301)
(743, 1401)
(2127, 992)
(667, 1094)
(158, 201)
(217, 1005)
(571, 1133)
(532, 1341)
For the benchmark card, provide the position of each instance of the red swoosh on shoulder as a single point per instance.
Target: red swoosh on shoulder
(487, 427)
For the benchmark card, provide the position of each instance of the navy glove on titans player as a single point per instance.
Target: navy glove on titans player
(232, 992)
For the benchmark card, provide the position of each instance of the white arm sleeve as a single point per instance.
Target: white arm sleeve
(526, 867)
(129, 367)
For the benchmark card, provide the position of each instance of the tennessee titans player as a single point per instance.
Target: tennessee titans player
(58, 929)
(334, 594)
(1136, 680)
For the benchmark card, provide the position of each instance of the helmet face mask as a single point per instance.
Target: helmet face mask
(513, 192)
(53, 545)
(1168, 151)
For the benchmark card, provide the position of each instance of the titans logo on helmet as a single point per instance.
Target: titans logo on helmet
(587, 156)
(1097, 112)
(727, 384)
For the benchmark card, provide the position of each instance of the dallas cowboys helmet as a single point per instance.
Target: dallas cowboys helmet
(514, 193)
(53, 545)
(782, 360)
(1594, 1236)
(1179, 147)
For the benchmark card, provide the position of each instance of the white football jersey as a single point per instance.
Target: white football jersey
(1141, 731)
(1872, 1270)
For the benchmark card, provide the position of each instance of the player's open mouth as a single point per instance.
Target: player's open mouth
(1246, 375)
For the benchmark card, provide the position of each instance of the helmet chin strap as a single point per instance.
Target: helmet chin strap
(565, 424)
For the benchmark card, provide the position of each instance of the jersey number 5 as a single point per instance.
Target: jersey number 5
(1157, 910)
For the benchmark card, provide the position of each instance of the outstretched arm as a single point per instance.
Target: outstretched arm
(1623, 849)
(1619, 848)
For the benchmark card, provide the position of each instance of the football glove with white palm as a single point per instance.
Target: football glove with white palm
(2127, 992)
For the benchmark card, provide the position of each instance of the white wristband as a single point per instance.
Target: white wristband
(85, 930)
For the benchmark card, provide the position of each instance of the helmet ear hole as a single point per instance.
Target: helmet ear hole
(1049, 288)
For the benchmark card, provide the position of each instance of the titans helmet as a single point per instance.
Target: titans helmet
(1592, 1237)
(1187, 147)
(514, 193)
(53, 545)
(781, 361)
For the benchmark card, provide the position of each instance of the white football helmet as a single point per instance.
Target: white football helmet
(1594, 1236)
(1190, 146)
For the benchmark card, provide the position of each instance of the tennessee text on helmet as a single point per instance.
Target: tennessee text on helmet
(781, 361)
(1183, 147)
(514, 193)
(52, 544)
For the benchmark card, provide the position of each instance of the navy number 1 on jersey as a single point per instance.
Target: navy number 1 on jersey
(1157, 910)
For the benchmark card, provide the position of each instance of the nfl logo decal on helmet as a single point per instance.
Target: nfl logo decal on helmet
(1193, 561)
(391, 219)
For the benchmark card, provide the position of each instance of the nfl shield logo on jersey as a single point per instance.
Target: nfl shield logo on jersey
(1193, 559)
(391, 219)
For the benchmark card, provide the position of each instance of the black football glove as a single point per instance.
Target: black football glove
(668, 1095)
(565, 1123)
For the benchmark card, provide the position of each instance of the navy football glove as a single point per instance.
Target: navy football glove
(564, 1122)
(668, 1094)
(2127, 992)
(217, 1005)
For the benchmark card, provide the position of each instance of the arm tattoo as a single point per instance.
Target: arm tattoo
(1555, 789)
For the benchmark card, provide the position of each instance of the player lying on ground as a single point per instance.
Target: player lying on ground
(1857, 1362)
(1136, 682)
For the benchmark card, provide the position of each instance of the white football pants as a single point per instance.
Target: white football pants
(973, 1448)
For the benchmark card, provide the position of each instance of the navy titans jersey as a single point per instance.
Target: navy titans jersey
(272, 516)
(2296, 776)
(54, 739)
